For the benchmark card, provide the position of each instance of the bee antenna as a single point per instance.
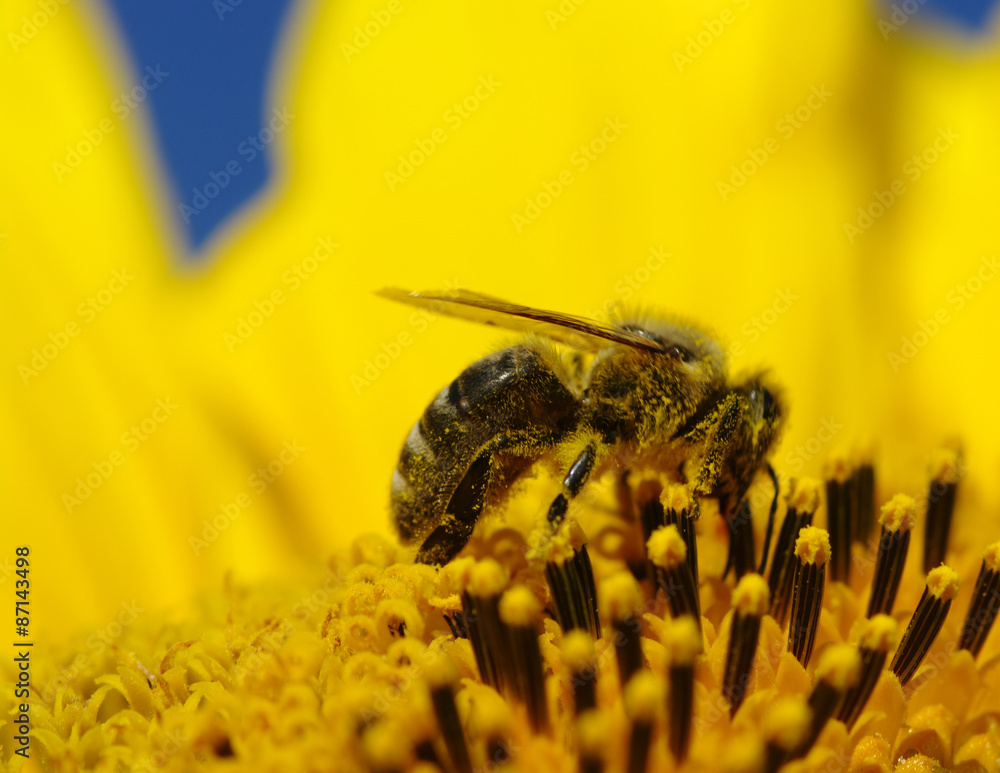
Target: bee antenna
(770, 518)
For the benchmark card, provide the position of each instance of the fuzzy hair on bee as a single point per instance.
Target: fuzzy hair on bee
(639, 393)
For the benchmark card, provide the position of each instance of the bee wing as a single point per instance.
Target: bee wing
(578, 332)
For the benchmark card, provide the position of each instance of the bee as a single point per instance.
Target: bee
(642, 393)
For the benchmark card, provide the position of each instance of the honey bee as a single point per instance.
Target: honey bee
(639, 393)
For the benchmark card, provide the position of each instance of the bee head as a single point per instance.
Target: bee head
(766, 409)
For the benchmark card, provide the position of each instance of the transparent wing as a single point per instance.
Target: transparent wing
(578, 332)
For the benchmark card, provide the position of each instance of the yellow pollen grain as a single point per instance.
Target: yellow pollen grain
(620, 596)
(676, 498)
(592, 734)
(520, 608)
(786, 721)
(487, 578)
(839, 666)
(804, 495)
(643, 695)
(838, 466)
(666, 547)
(683, 641)
(942, 582)
(813, 545)
(578, 650)
(991, 557)
(944, 465)
(751, 596)
(899, 513)
(440, 670)
(879, 633)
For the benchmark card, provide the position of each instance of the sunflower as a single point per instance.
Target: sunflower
(188, 438)
(561, 653)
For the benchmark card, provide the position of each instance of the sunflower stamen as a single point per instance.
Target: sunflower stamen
(741, 553)
(650, 507)
(485, 581)
(803, 500)
(838, 671)
(877, 638)
(592, 740)
(786, 724)
(680, 511)
(897, 519)
(521, 613)
(571, 579)
(750, 604)
(985, 603)
(493, 722)
(668, 553)
(839, 517)
(442, 678)
(945, 467)
(683, 645)
(942, 584)
(643, 695)
(621, 604)
(812, 549)
(578, 656)
(863, 491)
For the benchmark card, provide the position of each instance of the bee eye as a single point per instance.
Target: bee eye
(763, 398)
(680, 353)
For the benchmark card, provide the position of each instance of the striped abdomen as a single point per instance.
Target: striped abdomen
(501, 414)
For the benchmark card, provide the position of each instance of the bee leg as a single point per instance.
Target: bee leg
(579, 473)
(718, 433)
(463, 510)
(571, 583)
(770, 517)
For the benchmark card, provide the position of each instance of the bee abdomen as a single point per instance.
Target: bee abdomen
(511, 398)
